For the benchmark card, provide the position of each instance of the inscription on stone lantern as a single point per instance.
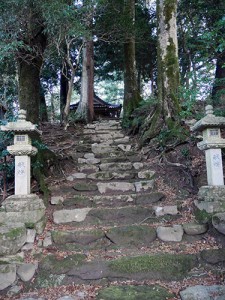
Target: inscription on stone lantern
(212, 143)
(22, 150)
(21, 168)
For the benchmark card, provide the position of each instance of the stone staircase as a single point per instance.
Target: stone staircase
(110, 228)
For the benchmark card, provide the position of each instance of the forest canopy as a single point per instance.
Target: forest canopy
(160, 59)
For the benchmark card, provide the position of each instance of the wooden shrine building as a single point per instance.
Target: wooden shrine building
(102, 109)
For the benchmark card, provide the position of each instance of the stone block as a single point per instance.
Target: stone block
(27, 247)
(218, 221)
(146, 174)
(89, 155)
(212, 193)
(124, 148)
(115, 186)
(67, 216)
(79, 175)
(123, 140)
(170, 234)
(115, 166)
(31, 234)
(138, 165)
(165, 210)
(209, 206)
(101, 148)
(18, 258)
(12, 237)
(17, 203)
(101, 176)
(195, 229)
(145, 185)
(7, 275)
(26, 271)
(57, 200)
(88, 168)
(203, 292)
(47, 240)
(93, 161)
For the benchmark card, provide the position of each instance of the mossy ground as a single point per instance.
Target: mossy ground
(134, 292)
(165, 266)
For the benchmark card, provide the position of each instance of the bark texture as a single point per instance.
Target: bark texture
(63, 93)
(168, 67)
(131, 93)
(218, 92)
(165, 114)
(29, 87)
(85, 110)
(30, 59)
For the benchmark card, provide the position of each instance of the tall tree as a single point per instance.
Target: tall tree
(131, 92)
(85, 110)
(22, 33)
(168, 68)
(201, 39)
(165, 115)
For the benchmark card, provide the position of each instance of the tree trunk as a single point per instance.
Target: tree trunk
(165, 115)
(168, 67)
(131, 94)
(43, 107)
(63, 93)
(29, 87)
(85, 110)
(218, 92)
(29, 68)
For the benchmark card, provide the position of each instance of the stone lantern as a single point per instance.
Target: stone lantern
(212, 144)
(23, 207)
(22, 150)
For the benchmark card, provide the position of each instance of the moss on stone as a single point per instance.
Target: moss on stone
(167, 266)
(14, 233)
(30, 225)
(46, 280)
(59, 266)
(134, 292)
(202, 216)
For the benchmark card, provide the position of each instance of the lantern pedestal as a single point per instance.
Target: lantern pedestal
(211, 198)
(23, 207)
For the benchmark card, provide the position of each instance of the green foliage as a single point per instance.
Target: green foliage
(139, 115)
(185, 152)
(39, 165)
(169, 136)
(6, 166)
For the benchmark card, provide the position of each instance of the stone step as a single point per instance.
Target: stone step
(109, 175)
(101, 137)
(116, 166)
(137, 268)
(103, 126)
(128, 215)
(127, 238)
(81, 201)
(77, 269)
(115, 237)
(123, 186)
